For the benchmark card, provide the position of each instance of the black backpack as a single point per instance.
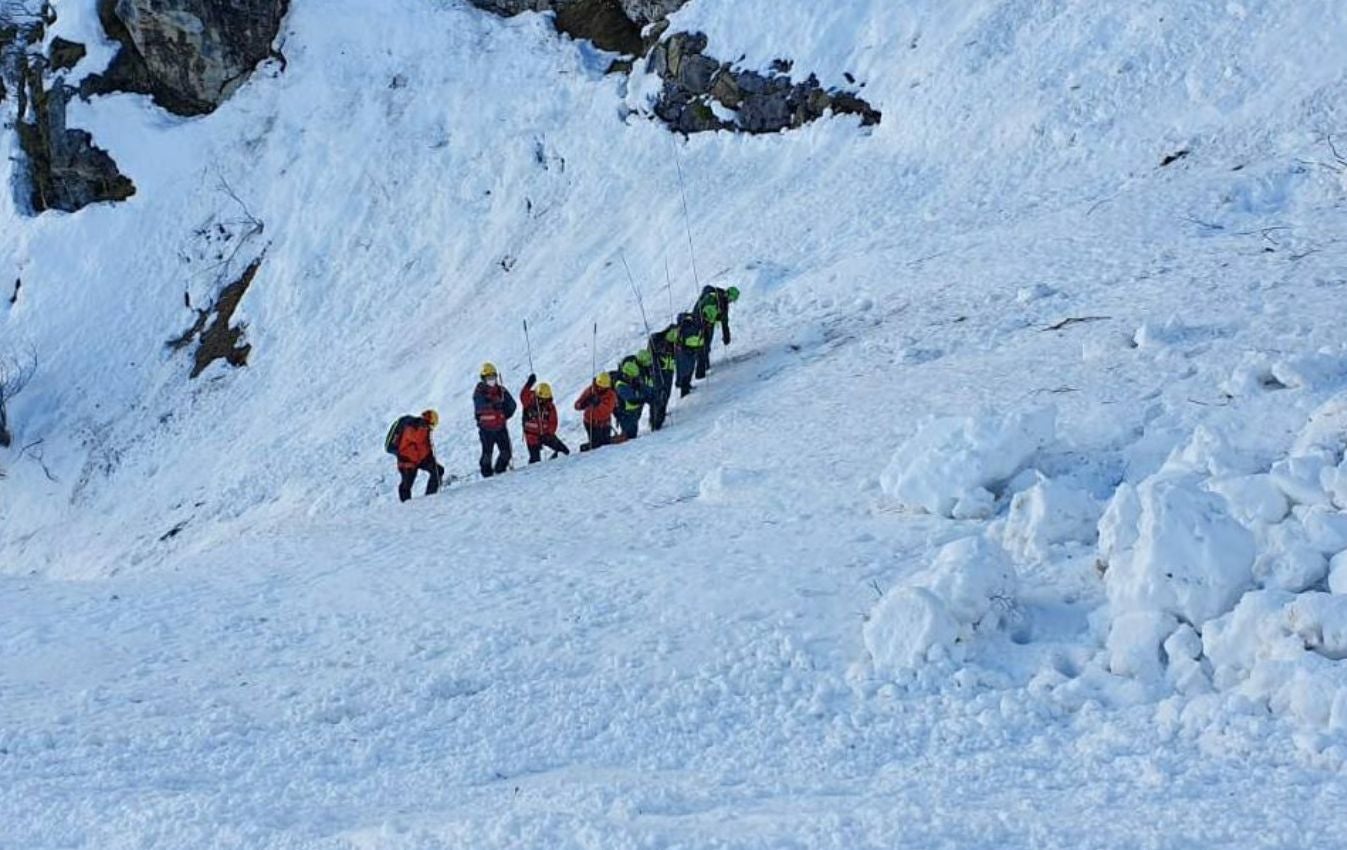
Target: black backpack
(394, 437)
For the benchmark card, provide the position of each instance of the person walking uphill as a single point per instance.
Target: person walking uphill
(689, 339)
(713, 307)
(658, 374)
(540, 421)
(409, 439)
(493, 406)
(598, 402)
(631, 396)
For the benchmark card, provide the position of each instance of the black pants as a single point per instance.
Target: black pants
(686, 361)
(659, 403)
(703, 361)
(499, 441)
(629, 423)
(433, 469)
(550, 441)
(599, 436)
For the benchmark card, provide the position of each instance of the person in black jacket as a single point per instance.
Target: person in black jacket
(493, 406)
(713, 307)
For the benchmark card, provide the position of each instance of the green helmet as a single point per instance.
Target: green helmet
(732, 293)
(644, 357)
(630, 369)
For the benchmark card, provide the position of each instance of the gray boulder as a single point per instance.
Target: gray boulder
(189, 55)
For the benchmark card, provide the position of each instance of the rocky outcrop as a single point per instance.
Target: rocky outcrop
(650, 11)
(696, 84)
(188, 55)
(215, 339)
(700, 92)
(64, 55)
(60, 168)
(604, 22)
(65, 170)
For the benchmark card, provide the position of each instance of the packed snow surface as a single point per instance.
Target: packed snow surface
(1013, 517)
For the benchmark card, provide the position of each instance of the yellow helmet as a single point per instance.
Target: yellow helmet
(489, 370)
(545, 392)
(604, 380)
(432, 418)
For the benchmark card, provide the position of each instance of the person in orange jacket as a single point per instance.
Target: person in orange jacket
(409, 439)
(598, 402)
(540, 420)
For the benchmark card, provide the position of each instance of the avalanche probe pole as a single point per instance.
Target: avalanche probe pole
(654, 367)
(593, 378)
(668, 287)
(687, 219)
(537, 407)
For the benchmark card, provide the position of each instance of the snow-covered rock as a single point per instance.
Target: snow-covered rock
(952, 466)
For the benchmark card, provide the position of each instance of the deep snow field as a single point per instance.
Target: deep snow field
(1011, 518)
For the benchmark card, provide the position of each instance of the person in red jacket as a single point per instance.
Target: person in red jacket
(598, 402)
(415, 452)
(493, 406)
(540, 421)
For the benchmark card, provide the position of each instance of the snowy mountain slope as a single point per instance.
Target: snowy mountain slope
(664, 644)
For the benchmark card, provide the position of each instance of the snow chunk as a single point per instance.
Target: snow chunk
(1254, 630)
(1320, 620)
(1298, 477)
(908, 627)
(1049, 514)
(1337, 573)
(937, 612)
(952, 466)
(1134, 642)
(1253, 498)
(1333, 481)
(1172, 546)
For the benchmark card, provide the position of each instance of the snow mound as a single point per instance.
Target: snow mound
(1050, 514)
(954, 466)
(937, 613)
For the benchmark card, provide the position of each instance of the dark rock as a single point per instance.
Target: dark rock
(603, 22)
(65, 55)
(763, 103)
(188, 55)
(217, 340)
(645, 12)
(65, 170)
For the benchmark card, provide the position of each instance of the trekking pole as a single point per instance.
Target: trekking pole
(537, 407)
(687, 219)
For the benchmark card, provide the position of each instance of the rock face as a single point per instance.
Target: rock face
(695, 84)
(650, 11)
(66, 171)
(604, 22)
(61, 167)
(189, 55)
